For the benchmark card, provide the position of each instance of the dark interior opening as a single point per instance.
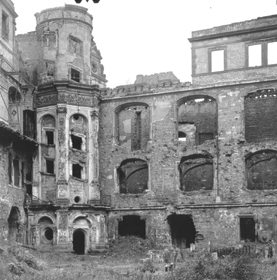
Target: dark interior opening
(77, 199)
(247, 229)
(79, 242)
(16, 172)
(182, 230)
(48, 234)
(50, 166)
(76, 142)
(50, 137)
(29, 190)
(29, 128)
(132, 225)
(182, 136)
(13, 222)
(75, 75)
(77, 171)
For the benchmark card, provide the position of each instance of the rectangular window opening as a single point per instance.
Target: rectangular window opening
(217, 60)
(50, 166)
(10, 169)
(5, 25)
(50, 137)
(76, 142)
(272, 53)
(75, 75)
(247, 229)
(16, 172)
(255, 55)
(77, 171)
(29, 190)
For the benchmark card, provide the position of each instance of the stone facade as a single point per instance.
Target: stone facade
(180, 163)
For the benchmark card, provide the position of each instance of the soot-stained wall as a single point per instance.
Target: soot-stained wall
(261, 115)
(262, 170)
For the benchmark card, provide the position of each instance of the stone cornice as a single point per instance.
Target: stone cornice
(232, 33)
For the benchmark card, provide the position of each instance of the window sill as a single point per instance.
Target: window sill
(48, 174)
(78, 179)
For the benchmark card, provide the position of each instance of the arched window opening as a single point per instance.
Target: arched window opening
(46, 230)
(261, 168)
(78, 130)
(133, 126)
(197, 118)
(260, 109)
(14, 221)
(132, 225)
(14, 95)
(132, 176)
(48, 124)
(182, 230)
(196, 173)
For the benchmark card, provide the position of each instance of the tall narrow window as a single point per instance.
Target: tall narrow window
(255, 55)
(77, 171)
(217, 60)
(16, 172)
(76, 142)
(272, 53)
(5, 26)
(10, 169)
(50, 166)
(50, 137)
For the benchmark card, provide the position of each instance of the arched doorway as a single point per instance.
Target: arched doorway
(79, 242)
(13, 221)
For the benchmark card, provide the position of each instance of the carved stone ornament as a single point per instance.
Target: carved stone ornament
(76, 99)
(46, 100)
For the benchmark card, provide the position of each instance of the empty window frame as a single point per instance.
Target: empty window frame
(49, 137)
(49, 166)
(247, 229)
(272, 53)
(76, 142)
(182, 136)
(75, 75)
(16, 172)
(5, 25)
(255, 55)
(77, 170)
(217, 60)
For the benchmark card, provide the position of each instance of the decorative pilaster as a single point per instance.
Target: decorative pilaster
(94, 191)
(62, 185)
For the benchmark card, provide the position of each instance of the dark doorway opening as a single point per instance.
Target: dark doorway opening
(79, 242)
(132, 225)
(182, 230)
(247, 229)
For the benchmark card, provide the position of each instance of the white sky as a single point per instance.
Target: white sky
(148, 36)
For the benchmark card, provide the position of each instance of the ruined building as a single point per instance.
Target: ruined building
(180, 163)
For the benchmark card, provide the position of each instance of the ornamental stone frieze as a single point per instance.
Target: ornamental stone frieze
(68, 98)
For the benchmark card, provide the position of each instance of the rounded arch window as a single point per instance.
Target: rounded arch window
(78, 124)
(197, 119)
(48, 234)
(14, 95)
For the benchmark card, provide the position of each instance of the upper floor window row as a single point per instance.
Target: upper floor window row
(257, 54)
